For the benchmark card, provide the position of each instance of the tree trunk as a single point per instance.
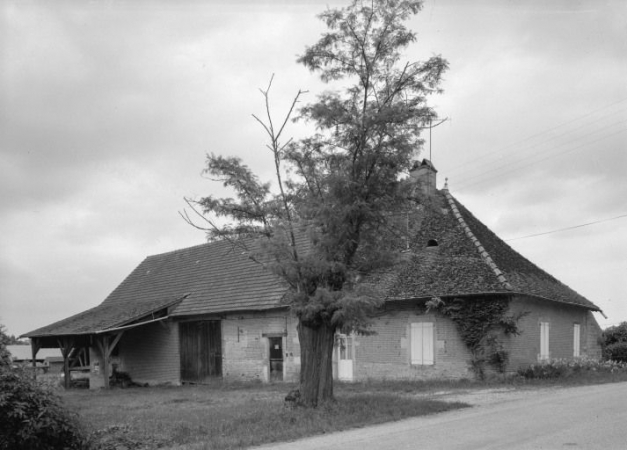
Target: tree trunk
(316, 363)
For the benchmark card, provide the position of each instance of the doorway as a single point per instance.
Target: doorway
(345, 357)
(276, 358)
(201, 350)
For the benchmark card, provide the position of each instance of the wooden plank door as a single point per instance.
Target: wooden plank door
(201, 350)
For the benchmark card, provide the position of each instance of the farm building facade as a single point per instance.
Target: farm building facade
(209, 311)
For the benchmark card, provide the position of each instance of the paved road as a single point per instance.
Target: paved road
(589, 417)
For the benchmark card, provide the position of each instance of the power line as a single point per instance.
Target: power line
(567, 228)
(536, 161)
(548, 130)
(522, 156)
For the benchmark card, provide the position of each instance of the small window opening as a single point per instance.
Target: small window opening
(432, 243)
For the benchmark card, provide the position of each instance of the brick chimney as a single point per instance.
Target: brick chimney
(423, 175)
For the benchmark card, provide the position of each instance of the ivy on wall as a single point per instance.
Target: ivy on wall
(481, 322)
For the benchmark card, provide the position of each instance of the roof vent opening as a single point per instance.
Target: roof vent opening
(432, 243)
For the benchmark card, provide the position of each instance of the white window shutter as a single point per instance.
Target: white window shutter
(544, 340)
(427, 343)
(576, 340)
(422, 343)
(416, 343)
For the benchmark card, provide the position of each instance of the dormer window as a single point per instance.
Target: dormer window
(432, 243)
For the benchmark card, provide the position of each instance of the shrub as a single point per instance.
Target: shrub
(616, 351)
(617, 333)
(562, 368)
(32, 417)
(543, 371)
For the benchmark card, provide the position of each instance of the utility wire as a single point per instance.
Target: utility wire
(537, 161)
(567, 228)
(542, 133)
(521, 155)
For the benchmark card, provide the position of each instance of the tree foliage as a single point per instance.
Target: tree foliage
(326, 221)
(5, 339)
(614, 342)
(32, 417)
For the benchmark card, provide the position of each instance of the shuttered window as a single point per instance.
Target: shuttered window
(422, 343)
(544, 340)
(576, 340)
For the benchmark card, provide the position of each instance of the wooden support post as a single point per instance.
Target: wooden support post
(35, 345)
(66, 346)
(106, 347)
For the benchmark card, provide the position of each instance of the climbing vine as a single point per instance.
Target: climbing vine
(480, 322)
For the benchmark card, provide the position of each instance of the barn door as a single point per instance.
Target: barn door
(201, 350)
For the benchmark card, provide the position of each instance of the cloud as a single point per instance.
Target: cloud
(107, 110)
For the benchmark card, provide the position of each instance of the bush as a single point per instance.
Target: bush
(544, 371)
(616, 352)
(32, 417)
(617, 333)
(564, 368)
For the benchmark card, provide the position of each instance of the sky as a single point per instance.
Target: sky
(109, 108)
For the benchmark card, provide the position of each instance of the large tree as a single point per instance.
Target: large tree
(328, 220)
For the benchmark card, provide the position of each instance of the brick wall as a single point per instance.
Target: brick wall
(245, 345)
(387, 353)
(525, 348)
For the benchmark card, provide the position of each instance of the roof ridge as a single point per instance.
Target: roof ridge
(180, 250)
(482, 251)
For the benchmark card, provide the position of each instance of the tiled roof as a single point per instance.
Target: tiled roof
(469, 259)
(216, 277)
(105, 317)
(208, 278)
(523, 275)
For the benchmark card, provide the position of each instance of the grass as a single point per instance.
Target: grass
(227, 416)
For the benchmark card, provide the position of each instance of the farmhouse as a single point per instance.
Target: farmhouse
(209, 311)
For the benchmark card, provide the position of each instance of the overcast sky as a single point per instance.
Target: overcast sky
(108, 108)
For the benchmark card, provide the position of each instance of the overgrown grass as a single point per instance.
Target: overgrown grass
(226, 416)
(229, 415)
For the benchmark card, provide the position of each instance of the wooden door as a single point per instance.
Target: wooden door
(201, 350)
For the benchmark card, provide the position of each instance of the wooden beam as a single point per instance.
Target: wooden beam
(35, 345)
(106, 347)
(115, 341)
(103, 346)
(66, 345)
